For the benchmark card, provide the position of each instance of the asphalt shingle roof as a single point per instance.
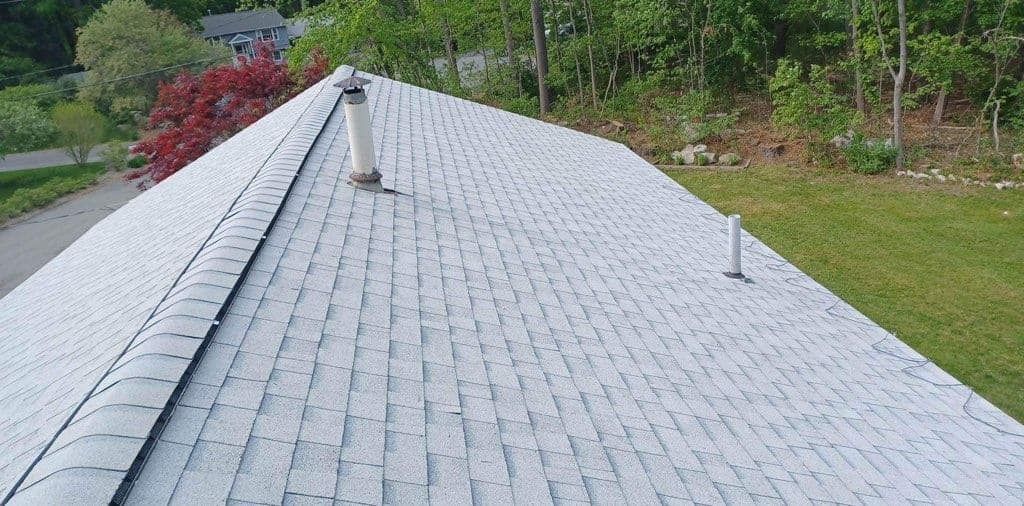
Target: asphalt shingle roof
(216, 25)
(536, 316)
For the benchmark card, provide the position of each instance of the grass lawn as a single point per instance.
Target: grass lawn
(22, 190)
(940, 266)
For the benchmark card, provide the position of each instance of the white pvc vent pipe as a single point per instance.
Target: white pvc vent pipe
(360, 135)
(360, 138)
(735, 269)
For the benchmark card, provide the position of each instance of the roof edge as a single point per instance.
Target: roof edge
(134, 399)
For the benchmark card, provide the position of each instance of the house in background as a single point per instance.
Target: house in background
(244, 30)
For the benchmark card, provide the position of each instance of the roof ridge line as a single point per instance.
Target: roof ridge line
(169, 347)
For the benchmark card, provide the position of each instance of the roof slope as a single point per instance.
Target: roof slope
(539, 316)
(98, 339)
(243, 21)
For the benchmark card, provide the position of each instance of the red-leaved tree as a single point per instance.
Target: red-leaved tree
(192, 114)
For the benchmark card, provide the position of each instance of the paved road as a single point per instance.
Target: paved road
(29, 244)
(44, 158)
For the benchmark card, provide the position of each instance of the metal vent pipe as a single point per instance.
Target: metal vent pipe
(735, 269)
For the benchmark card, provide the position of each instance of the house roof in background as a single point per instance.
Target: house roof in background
(537, 315)
(297, 27)
(217, 25)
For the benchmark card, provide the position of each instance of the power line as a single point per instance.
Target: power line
(34, 72)
(124, 78)
(5, 2)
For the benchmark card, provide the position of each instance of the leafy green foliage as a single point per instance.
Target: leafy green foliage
(374, 36)
(23, 127)
(137, 162)
(695, 114)
(43, 96)
(115, 156)
(81, 129)
(867, 156)
(24, 190)
(810, 108)
(128, 38)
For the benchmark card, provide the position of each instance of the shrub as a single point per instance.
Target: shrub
(81, 129)
(137, 162)
(26, 199)
(868, 156)
(115, 157)
(194, 113)
(694, 112)
(42, 96)
(810, 108)
(23, 127)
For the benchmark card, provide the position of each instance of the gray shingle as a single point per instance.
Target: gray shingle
(495, 334)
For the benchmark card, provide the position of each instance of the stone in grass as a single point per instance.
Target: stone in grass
(729, 159)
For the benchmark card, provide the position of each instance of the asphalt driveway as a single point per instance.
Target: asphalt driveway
(45, 158)
(30, 242)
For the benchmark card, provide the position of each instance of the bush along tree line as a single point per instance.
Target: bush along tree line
(872, 84)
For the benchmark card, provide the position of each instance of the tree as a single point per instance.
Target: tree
(23, 127)
(377, 36)
(127, 48)
(194, 113)
(898, 71)
(510, 43)
(80, 127)
(858, 79)
(540, 45)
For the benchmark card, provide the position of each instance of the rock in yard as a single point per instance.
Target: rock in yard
(729, 159)
(773, 151)
(842, 141)
(940, 177)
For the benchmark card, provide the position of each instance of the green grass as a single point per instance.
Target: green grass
(24, 190)
(940, 266)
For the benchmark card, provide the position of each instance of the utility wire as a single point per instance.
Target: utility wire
(124, 78)
(5, 2)
(34, 72)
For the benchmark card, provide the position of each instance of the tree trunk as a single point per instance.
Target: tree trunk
(940, 101)
(780, 32)
(450, 48)
(510, 44)
(575, 53)
(540, 44)
(858, 79)
(897, 86)
(995, 126)
(556, 42)
(590, 52)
